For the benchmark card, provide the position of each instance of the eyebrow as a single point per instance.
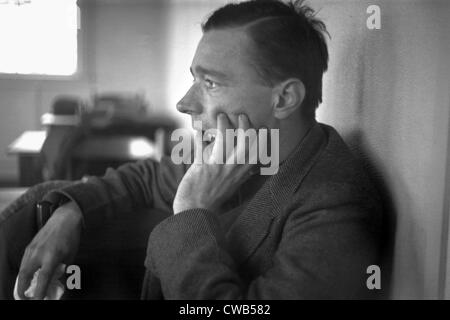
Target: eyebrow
(211, 72)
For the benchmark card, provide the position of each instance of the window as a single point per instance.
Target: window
(38, 37)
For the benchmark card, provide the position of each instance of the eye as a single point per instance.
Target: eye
(210, 84)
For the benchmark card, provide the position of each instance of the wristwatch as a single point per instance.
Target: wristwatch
(44, 210)
(46, 207)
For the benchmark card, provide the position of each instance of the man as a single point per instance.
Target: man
(308, 231)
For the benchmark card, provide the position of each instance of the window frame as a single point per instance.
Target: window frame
(80, 67)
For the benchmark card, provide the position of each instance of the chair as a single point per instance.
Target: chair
(63, 131)
(111, 259)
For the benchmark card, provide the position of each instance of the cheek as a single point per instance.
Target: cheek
(213, 110)
(227, 104)
(256, 105)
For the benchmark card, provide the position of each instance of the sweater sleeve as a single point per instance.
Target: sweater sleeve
(142, 184)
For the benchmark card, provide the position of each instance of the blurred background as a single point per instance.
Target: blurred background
(90, 83)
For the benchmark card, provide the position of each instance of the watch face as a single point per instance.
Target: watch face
(44, 211)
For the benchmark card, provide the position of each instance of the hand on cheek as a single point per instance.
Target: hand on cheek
(207, 184)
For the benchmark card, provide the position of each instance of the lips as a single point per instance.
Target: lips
(208, 136)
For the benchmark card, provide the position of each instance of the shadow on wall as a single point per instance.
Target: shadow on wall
(366, 100)
(361, 101)
(378, 108)
(356, 143)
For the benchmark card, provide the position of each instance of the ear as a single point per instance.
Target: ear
(288, 97)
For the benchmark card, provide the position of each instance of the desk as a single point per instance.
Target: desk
(94, 155)
(117, 149)
(27, 147)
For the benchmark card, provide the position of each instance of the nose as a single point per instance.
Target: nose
(190, 103)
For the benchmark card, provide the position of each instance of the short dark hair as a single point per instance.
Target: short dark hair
(290, 41)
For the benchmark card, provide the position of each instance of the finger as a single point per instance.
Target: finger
(243, 148)
(199, 145)
(27, 269)
(244, 122)
(223, 124)
(246, 172)
(60, 270)
(44, 278)
(244, 125)
(263, 142)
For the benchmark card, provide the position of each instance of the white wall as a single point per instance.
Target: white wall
(387, 91)
(131, 49)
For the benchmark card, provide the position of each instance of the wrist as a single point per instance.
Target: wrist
(188, 205)
(70, 210)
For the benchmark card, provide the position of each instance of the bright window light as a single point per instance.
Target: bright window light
(38, 37)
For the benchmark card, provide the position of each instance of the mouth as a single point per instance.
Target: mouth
(208, 137)
(208, 134)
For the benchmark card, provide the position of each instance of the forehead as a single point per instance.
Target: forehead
(230, 50)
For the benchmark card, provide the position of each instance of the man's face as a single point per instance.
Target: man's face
(226, 81)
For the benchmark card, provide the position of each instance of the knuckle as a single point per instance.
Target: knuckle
(29, 249)
(44, 273)
(35, 253)
(23, 272)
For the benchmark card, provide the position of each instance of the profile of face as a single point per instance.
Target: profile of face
(226, 81)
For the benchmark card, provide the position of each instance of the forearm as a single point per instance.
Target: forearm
(131, 187)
